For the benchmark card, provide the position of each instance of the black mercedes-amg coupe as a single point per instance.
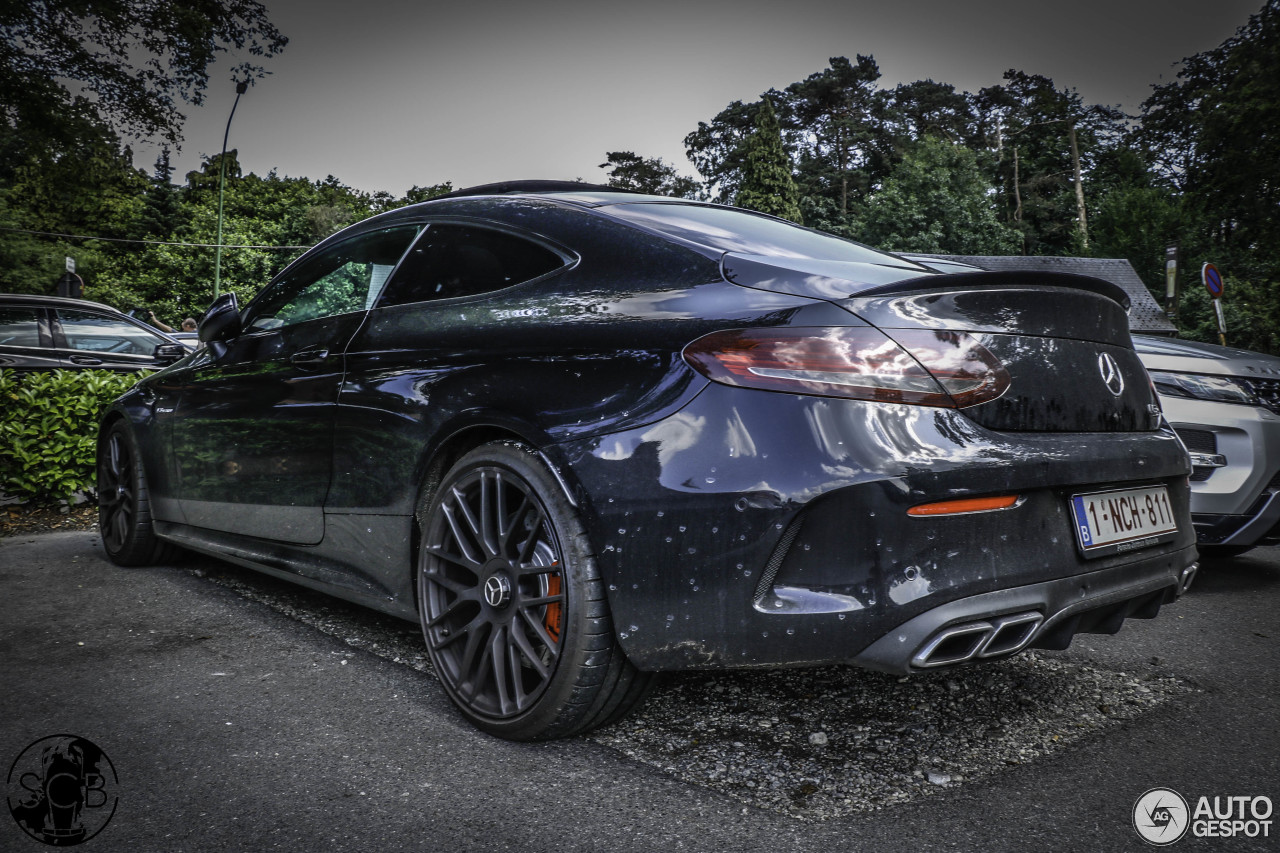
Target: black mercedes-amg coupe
(584, 435)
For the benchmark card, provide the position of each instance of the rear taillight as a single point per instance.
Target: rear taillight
(927, 368)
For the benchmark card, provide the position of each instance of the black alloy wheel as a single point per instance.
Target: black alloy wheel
(513, 610)
(124, 506)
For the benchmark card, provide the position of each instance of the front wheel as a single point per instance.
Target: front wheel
(124, 504)
(513, 609)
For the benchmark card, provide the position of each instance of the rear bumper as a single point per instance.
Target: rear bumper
(759, 529)
(1044, 615)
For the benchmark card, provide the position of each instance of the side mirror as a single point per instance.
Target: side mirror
(169, 353)
(222, 320)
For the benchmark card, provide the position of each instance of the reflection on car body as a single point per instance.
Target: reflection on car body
(584, 435)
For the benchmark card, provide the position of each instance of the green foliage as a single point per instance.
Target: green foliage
(717, 149)
(1136, 223)
(767, 184)
(629, 171)
(836, 121)
(936, 200)
(136, 60)
(1212, 135)
(49, 428)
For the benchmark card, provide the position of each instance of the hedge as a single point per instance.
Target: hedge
(49, 429)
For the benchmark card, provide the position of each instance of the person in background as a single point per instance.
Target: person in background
(188, 325)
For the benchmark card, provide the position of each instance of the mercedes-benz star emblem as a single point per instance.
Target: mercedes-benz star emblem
(1111, 376)
(497, 590)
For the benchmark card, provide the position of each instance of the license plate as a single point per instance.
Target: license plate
(1125, 517)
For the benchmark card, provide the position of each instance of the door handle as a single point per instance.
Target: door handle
(85, 359)
(309, 357)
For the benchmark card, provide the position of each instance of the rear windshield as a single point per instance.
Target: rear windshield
(747, 233)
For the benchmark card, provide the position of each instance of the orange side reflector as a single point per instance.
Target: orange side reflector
(966, 505)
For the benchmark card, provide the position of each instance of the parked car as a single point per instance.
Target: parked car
(583, 435)
(51, 332)
(1225, 405)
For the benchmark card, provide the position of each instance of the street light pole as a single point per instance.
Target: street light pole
(241, 88)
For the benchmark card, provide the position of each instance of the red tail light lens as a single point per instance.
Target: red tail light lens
(927, 368)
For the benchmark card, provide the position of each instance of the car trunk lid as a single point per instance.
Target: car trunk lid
(1064, 339)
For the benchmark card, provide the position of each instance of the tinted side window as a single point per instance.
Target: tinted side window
(344, 278)
(18, 327)
(99, 333)
(459, 260)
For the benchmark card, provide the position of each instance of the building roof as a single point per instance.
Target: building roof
(1145, 314)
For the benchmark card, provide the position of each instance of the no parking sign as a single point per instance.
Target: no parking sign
(1213, 283)
(1212, 280)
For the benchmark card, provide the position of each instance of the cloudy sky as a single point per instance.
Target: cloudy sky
(386, 94)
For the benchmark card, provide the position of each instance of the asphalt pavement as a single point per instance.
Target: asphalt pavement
(231, 726)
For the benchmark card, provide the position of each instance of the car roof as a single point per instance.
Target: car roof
(64, 301)
(572, 191)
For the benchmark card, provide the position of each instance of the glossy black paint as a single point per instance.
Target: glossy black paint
(713, 490)
(306, 451)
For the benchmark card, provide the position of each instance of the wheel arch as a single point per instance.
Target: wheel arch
(437, 461)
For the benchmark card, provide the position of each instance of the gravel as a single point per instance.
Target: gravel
(812, 744)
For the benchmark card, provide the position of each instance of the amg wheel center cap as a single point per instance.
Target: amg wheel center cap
(497, 591)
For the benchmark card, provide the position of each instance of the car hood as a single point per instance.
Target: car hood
(1195, 357)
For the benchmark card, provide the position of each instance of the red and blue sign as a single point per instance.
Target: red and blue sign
(1212, 280)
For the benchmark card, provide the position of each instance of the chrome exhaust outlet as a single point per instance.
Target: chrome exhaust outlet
(1011, 634)
(953, 645)
(1188, 575)
(999, 637)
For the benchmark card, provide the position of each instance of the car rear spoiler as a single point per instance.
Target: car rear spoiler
(1000, 278)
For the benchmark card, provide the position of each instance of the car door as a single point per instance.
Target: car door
(25, 341)
(253, 434)
(86, 338)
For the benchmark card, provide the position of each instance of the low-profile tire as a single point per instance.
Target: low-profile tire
(513, 609)
(124, 504)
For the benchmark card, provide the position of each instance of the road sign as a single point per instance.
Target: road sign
(1212, 280)
(71, 264)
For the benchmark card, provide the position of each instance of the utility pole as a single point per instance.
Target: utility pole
(241, 88)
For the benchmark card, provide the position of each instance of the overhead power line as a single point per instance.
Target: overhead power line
(144, 242)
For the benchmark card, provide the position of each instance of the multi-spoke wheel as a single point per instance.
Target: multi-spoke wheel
(124, 507)
(513, 610)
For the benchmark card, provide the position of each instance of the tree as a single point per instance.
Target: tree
(128, 62)
(767, 184)
(1212, 133)
(1039, 131)
(629, 171)
(87, 187)
(1133, 214)
(926, 108)
(937, 200)
(836, 117)
(162, 214)
(717, 149)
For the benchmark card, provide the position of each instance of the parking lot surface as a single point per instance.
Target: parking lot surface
(242, 714)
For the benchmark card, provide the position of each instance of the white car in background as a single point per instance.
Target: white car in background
(1225, 405)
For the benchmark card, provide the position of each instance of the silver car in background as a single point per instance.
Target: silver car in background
(1225, 405)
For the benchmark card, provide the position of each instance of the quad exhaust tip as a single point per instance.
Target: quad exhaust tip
(990, 638)
(1188, 575)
